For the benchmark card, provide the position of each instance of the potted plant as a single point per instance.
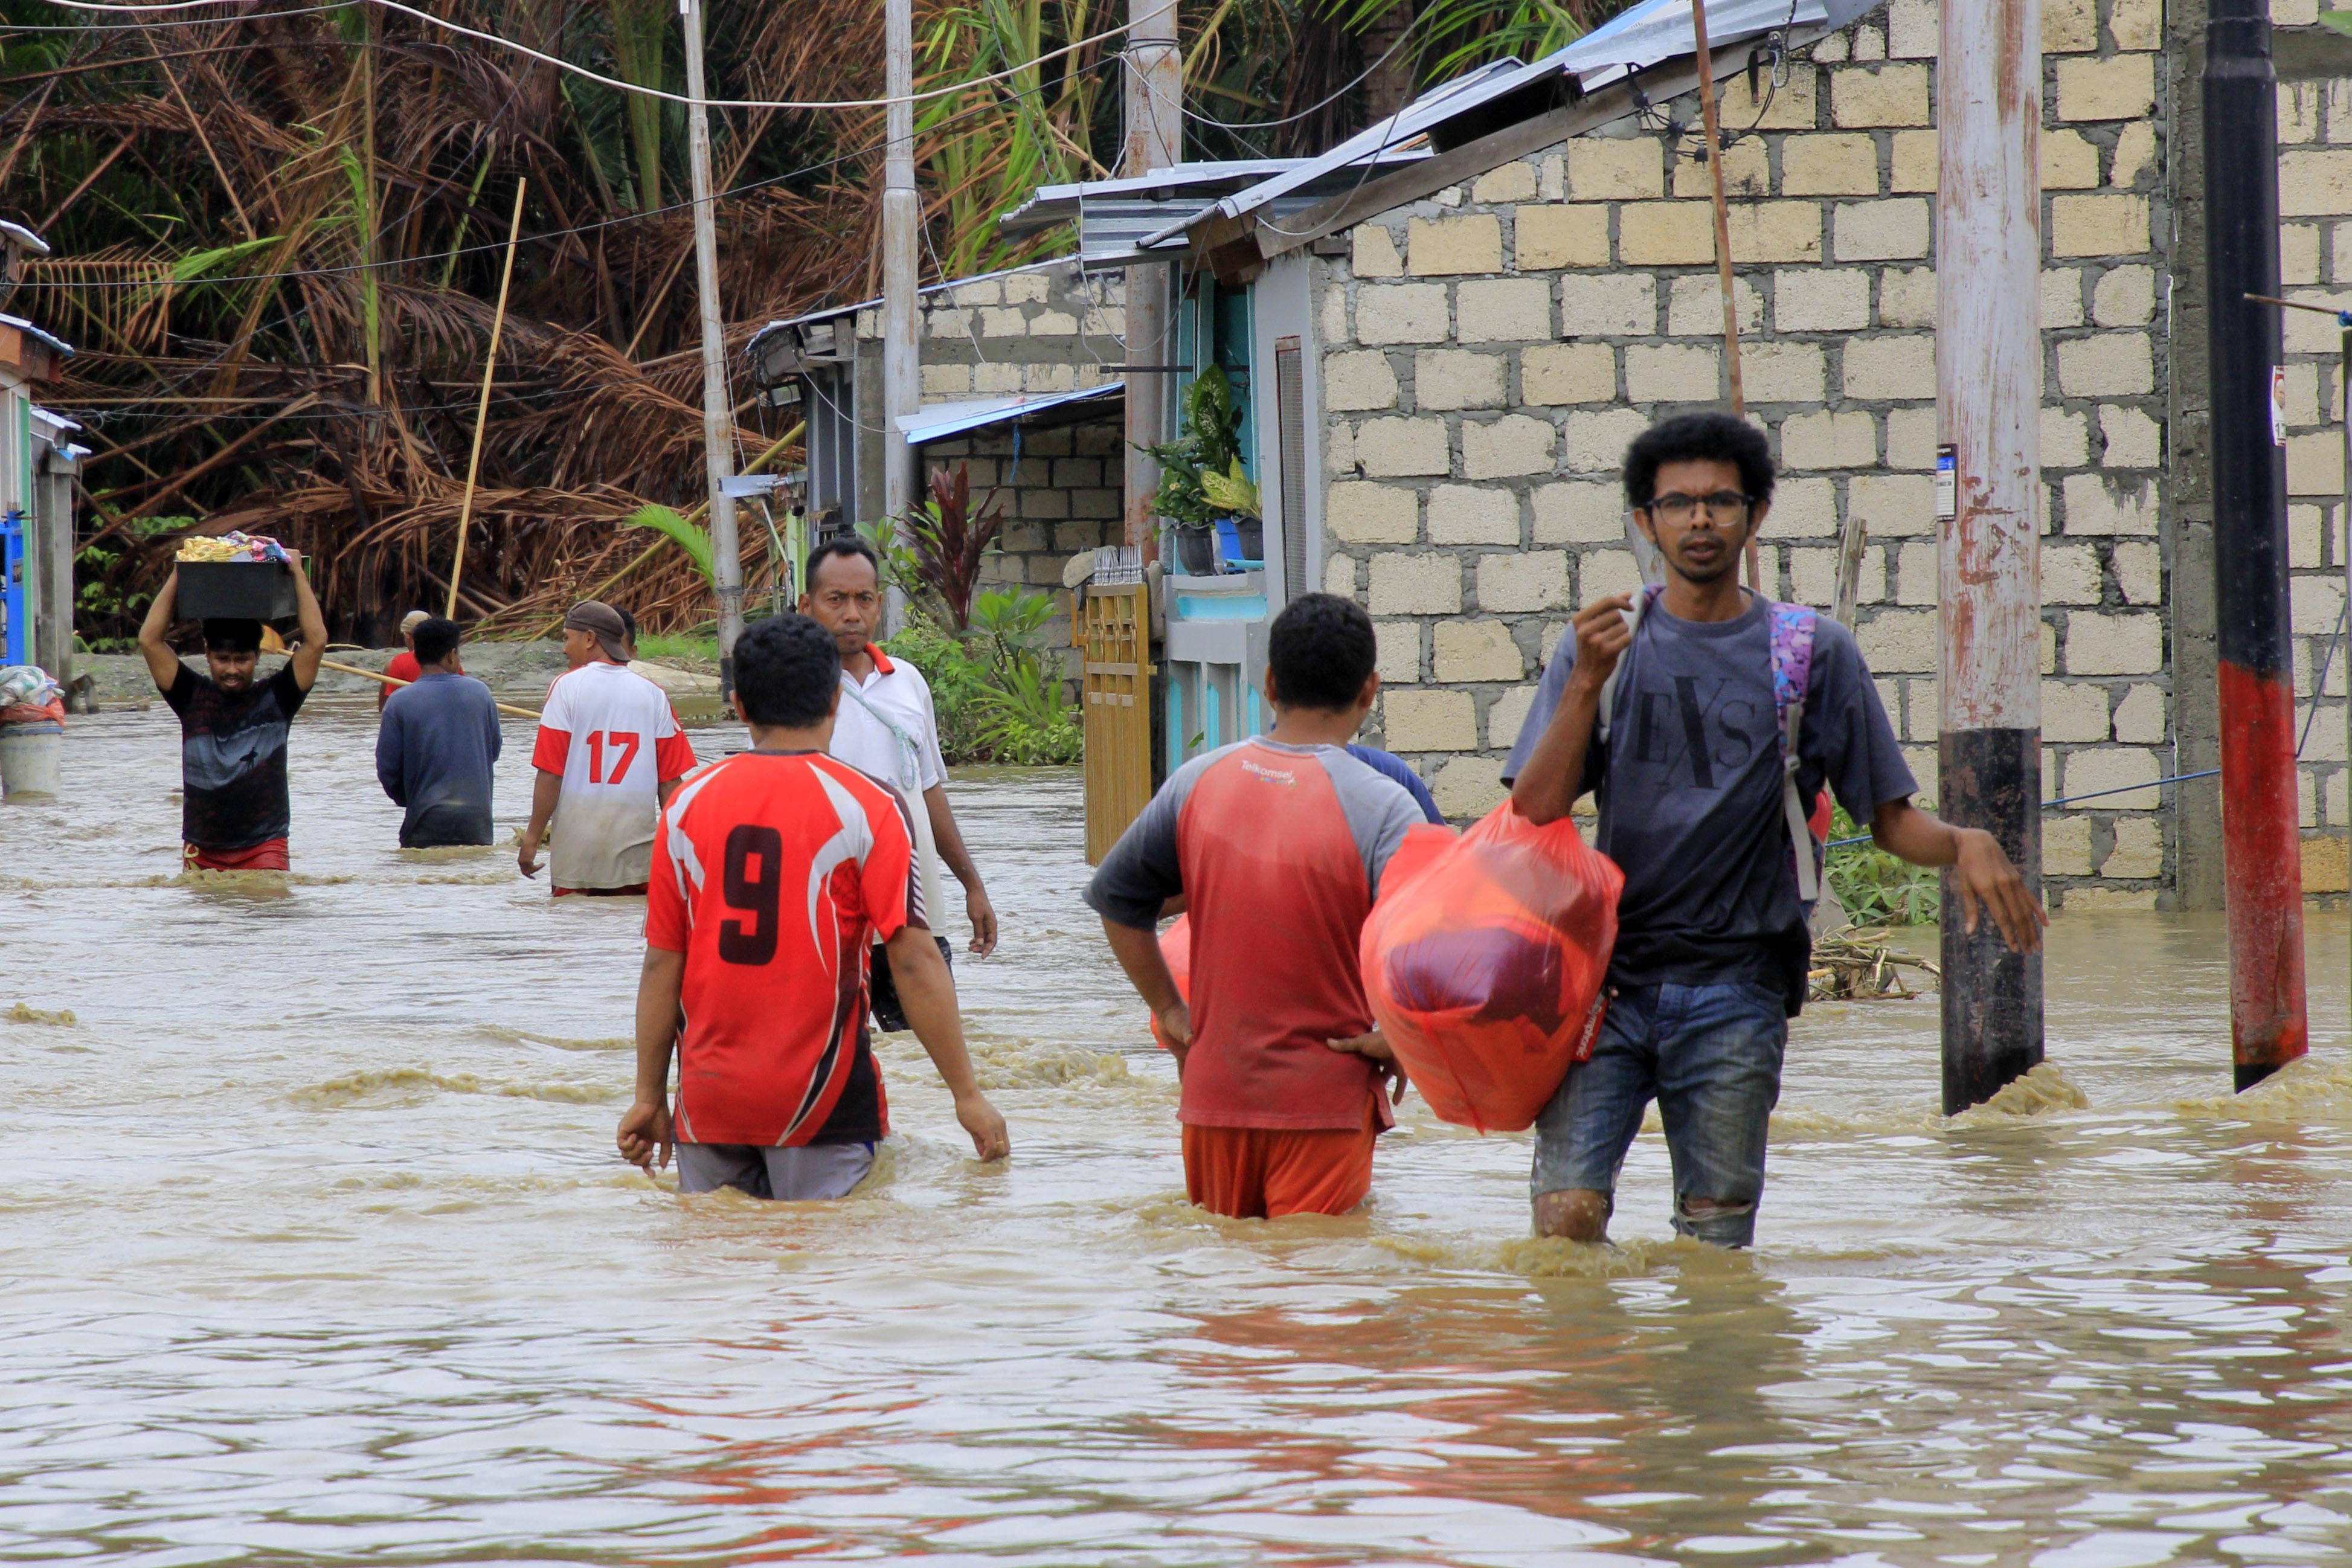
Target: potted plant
(1202, 479)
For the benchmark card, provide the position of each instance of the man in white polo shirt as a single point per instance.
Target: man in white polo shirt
(887, 727)
(609, 753)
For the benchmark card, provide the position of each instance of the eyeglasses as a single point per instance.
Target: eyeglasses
(1723, 506)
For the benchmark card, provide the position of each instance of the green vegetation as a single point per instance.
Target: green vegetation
(1875, 888)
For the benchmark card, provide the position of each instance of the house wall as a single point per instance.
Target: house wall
(1487, 355)
(1053, 327)
(1061, 491)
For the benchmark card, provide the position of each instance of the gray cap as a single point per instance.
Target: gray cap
(605, 624)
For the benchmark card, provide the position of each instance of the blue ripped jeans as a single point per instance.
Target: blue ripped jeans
(1710, 1056)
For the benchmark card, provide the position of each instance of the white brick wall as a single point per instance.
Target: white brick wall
(1545, 313)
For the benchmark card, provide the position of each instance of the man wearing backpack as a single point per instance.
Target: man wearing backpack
(1706, 720)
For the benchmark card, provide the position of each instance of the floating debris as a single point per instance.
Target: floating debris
(25, 1012)
(1861, 966)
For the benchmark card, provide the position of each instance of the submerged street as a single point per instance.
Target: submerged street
(322, 1253)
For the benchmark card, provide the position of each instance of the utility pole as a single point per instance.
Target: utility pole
(1989, 506)
(902, 351)
(1155, 139)
(718, 408)
(2261, 843)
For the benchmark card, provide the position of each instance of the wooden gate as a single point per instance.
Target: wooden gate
(1115, 631)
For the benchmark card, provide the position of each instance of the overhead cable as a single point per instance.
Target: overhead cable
(619, 86)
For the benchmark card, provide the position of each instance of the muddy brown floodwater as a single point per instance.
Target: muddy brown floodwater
(318, 1253)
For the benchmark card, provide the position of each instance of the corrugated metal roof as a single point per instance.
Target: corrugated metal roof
(1648, 35)
(1115, 216)
(938, 421)
(24, 326)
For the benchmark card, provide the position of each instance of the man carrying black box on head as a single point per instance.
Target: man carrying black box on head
(234, 814)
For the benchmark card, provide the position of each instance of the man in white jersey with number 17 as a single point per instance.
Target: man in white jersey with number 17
(610, 751)
(885, 727)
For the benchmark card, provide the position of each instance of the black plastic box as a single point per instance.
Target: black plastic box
(236, 590)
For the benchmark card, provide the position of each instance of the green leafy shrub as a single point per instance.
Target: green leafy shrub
(1209, 444)
(1876, 888)
(996, 699)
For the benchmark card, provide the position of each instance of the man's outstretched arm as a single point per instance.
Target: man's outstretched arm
(949, 840)
(927, 993)
(1986, 876)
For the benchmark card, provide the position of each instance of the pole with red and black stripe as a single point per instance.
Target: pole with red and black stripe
(2261, 849)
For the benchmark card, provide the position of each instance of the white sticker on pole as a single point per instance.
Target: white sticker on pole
(1947, 483)
(2278, 405)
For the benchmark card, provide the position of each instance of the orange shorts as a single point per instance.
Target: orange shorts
(1262, 1173)
(270, 855)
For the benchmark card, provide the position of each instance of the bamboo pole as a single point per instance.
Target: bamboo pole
(482, 410)
(395, 680)
(1714, 150)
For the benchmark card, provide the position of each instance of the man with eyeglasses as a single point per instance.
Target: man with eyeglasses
(1668, 712)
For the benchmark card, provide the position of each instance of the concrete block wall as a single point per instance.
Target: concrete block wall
(1061, 492)
(2314, 130)
(1051, 327)
(1489, 352)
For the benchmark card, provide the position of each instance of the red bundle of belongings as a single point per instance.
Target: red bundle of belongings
(1176, 947)
(1484, 962)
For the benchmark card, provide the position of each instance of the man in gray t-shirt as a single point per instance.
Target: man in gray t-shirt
(1712, 944)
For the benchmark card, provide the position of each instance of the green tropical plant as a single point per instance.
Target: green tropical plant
(1207, 443)
(1232, 493)
(1009, 623)
(951, 539)
(1457, 36)
(1027, 717)
(690, 537)
(1876, 888)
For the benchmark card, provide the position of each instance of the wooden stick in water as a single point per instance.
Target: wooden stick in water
(395, 680)
(482, 410)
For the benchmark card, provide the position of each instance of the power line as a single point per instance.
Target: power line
(852, 155)
(190, 22)
(562, 64)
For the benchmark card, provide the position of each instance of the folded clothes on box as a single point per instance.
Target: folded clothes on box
(231, 546)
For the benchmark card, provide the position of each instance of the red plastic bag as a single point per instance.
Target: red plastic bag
(1483, 963)
(1176, 947)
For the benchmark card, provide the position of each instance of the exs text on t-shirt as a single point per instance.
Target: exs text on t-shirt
(775, 873)
(612, 737)
(1689, 789)
(233, 758)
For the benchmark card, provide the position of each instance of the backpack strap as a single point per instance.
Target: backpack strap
(1793, 626)
(1642, 602)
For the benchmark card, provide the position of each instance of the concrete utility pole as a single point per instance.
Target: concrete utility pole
(718, 408)
(902, 351)
(1155, 139)
(2261, 843)
(1988, 503)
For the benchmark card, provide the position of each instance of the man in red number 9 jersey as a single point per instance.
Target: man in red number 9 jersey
(610, 751)
(774, 872)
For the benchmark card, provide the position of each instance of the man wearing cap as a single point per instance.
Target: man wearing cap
(610, 751)
(404, 665)
(234, 814)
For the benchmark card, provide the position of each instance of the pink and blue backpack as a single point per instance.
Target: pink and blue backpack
(1792, 671)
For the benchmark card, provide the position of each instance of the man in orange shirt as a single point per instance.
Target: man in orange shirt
(774, 872)
(1276, 843)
